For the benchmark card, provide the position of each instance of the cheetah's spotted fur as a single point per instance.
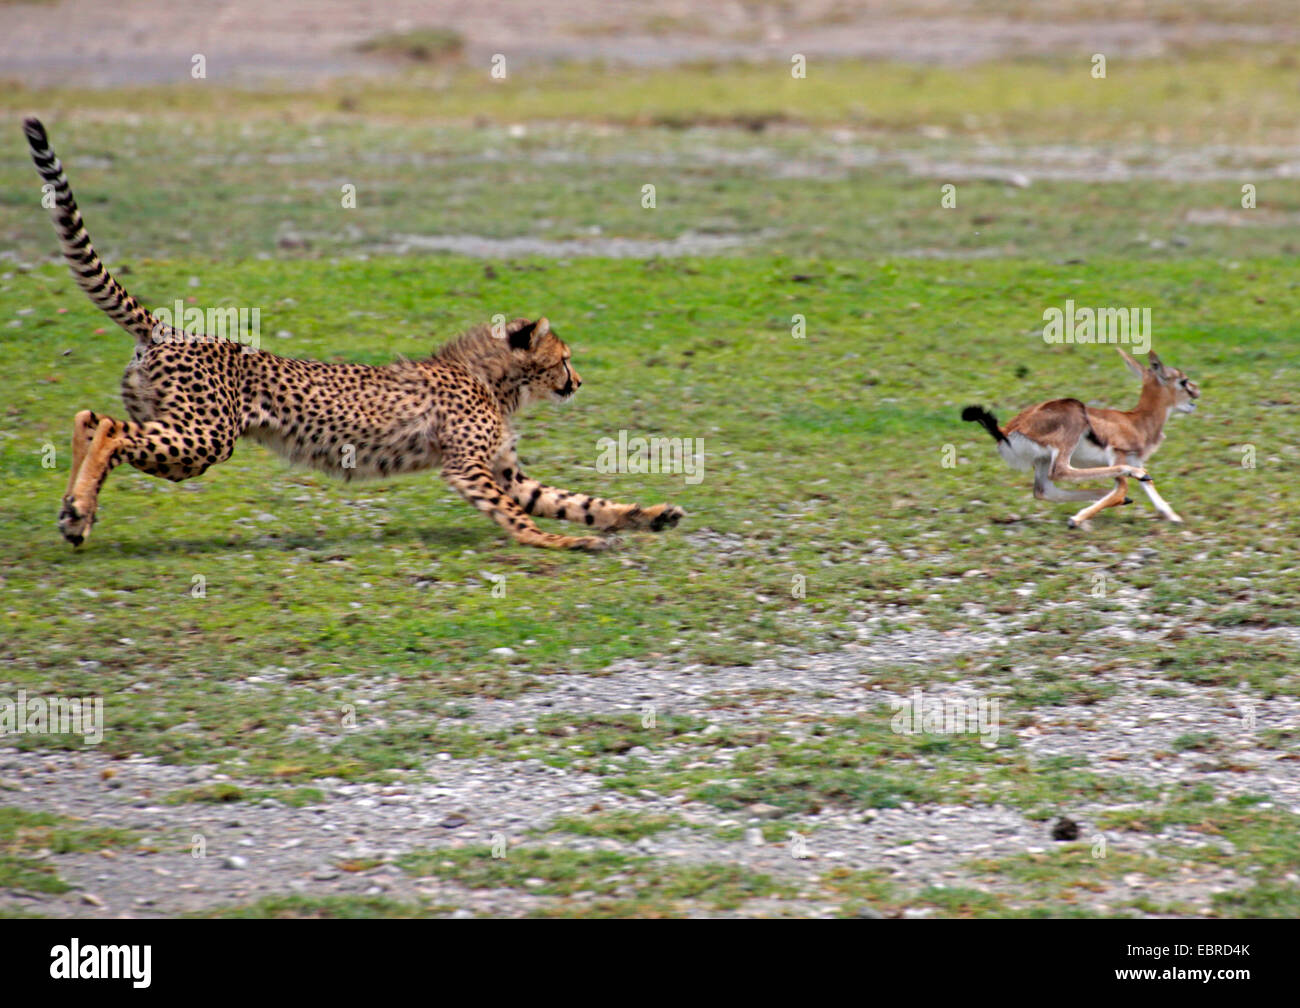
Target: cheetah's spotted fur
(189, 398)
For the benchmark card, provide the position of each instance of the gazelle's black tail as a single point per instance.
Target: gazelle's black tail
(981, 416)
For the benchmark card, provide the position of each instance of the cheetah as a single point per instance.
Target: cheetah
(189, 397)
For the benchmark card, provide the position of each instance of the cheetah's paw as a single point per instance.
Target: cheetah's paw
(74, 523)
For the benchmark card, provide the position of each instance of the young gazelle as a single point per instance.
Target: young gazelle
(1054, 437)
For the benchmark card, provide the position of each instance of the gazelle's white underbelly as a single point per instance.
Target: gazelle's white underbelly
(1020, 452)
(1088, 455)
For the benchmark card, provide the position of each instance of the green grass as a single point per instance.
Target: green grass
(230, 173)
(425, 45)
(323, 907)
(598, 883)
(838, 459)
(1244, 834)
(222, 793)
(1223, 93)
(349, 587)
(625, 826)
(385, 582)
(28, 839)
(282, 196)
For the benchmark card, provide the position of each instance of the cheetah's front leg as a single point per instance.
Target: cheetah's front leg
(474, 482)
(607, 516)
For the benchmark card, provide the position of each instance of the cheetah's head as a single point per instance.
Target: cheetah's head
(543, 360)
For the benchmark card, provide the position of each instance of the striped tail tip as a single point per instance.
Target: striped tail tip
(36, 135)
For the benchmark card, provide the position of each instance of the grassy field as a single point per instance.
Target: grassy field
(838, 458)
(1048, 163)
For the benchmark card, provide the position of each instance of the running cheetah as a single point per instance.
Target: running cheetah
(189, 397)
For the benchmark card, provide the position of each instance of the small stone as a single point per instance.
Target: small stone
(234, 862)
(1065, 829)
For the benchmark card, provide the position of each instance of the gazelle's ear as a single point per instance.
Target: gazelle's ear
(1131, 364)
(1156, 366)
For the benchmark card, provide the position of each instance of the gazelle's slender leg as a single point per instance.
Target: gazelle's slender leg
(1117, 496)
(1161, 506)
(1045, 489)
(1064, 471)
(1164, 510)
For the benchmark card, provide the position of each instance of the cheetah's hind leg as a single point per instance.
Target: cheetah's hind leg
(96, 447)
(156, 447)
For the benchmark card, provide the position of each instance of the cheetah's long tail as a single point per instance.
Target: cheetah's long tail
(87, 268)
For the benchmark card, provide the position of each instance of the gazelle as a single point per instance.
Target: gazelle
(1055, 436)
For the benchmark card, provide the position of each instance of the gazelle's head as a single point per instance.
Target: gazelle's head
(1173, 385)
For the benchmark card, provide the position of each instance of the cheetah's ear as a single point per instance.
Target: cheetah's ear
(528, 334)
(520, 334)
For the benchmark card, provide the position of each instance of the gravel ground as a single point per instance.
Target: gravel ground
(267, 848)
